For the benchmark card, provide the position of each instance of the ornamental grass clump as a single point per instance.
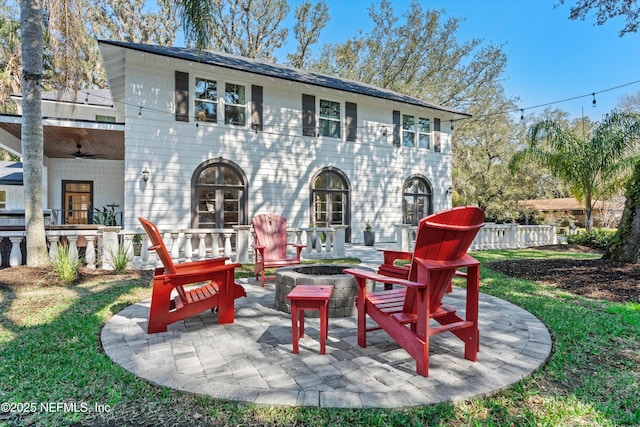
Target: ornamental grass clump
(64, 265)
(120, 259)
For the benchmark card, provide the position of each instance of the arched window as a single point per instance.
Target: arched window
(220, 195)
(417, 199)
(330, 199)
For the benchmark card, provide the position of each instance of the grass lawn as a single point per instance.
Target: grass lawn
(51, 360)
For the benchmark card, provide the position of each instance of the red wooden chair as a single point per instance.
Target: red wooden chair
(168, 307)
(404, 313)
(270, 246)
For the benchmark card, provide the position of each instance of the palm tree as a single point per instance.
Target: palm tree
(31, 23)
(592, 165)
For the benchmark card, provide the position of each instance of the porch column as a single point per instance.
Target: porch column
(338, 243)
(402, 236)
(242, 243)
(109, 245)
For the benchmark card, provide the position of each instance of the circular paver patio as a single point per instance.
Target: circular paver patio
(251, 359)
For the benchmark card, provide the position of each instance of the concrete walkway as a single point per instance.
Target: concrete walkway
(251, 360)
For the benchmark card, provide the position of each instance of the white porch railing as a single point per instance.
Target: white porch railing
(236, 243)
(493, 236)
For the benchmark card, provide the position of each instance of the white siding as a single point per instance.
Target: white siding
(106, 176)
(278, 162)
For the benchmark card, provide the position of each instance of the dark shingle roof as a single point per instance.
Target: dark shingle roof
(277, 71)
(10, 173)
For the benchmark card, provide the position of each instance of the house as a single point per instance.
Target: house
(202, 139)
(605, 213)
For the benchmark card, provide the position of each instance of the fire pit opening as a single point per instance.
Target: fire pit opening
(343, 297)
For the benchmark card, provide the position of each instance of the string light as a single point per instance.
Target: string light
(522, 114)
(592, 94)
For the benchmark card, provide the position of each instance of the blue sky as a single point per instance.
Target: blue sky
(550, 58)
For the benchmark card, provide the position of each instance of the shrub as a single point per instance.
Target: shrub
(64, 265)
(120, 259)
(595, 239)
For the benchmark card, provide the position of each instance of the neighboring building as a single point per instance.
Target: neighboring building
(605, 214)
(221, 138)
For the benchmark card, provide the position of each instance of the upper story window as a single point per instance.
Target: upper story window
(424, 133)
(3, 199)
(329, 118)
(235, 104)
(408, 131)
(206, 100)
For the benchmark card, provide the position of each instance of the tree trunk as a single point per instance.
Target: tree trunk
(627, 248)
(31, 17)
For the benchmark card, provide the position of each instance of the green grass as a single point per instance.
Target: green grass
(50, 352)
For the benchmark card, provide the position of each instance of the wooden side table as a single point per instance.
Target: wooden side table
(309, 297)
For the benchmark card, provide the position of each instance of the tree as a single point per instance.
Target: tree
(31, 19)
(594, 164)
(131, 21)
(249, 28)
(10, 57)
(629, 229)
(606, 9)
(630, 102)
(309, 23)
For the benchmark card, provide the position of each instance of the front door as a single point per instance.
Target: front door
(77, 201)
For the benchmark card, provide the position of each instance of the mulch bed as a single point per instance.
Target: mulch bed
(594, 278)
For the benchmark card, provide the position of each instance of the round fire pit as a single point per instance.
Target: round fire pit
(343, 297)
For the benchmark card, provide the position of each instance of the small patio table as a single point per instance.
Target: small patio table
(309, 297)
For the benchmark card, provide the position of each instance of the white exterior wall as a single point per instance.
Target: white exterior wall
(106, 176)
(278, 162)
(15, 196)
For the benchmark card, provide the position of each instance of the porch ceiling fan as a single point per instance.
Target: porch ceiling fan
(79, 154)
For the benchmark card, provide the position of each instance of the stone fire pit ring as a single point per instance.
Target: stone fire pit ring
(343, 297)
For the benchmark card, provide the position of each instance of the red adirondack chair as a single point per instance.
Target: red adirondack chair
(441, 244)
(270, 246)
(168, 307)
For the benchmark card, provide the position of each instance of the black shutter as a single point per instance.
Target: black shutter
(396, 128)
(308, 115)
(182, 96)
(436, 136)
(256, 108)
(351, 122)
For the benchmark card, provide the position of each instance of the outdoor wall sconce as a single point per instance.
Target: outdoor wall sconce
(449, 191)
(145, 175)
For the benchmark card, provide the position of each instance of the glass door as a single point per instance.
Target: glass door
(77, 202)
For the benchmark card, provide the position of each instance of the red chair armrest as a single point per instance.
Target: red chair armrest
(369, 275)
(391, 255)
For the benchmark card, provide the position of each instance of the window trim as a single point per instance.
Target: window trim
(215, 102)
(347, 191)
(428, 195)
(340, 120)
(407, 131)
(243, 208)
(225, 104)
(221, 103)
(427, 134)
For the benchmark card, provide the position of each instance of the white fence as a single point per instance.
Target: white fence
(493, 236)
(98, 246)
